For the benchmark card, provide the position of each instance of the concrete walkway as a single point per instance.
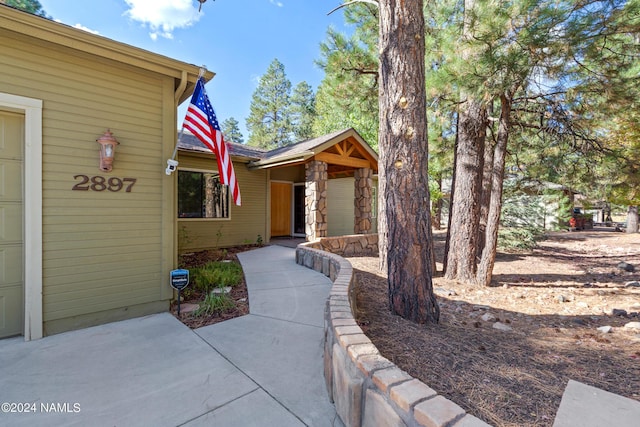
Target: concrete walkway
(264, 369)
(585, 406)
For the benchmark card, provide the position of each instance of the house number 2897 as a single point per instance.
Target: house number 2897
(100, 183)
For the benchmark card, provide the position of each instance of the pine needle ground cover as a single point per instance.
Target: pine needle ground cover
(548, 305)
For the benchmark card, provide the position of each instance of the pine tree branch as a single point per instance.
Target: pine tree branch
(373, 2)
(541, 95)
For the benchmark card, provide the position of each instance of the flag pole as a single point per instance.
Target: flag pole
(172, 163)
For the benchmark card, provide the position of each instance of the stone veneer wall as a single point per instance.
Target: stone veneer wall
(367, 389)
(316, 199)
(363, 192)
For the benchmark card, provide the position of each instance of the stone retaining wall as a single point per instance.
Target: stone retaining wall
(367, 389)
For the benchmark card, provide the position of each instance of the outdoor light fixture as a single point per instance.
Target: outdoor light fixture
(107, 150)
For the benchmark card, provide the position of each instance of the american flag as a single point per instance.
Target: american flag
(202, 122)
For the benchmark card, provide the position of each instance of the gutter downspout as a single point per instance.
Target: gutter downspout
(181, 87)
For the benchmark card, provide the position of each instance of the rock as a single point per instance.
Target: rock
(561, 298)
(626, 267)
(444, 292)
(481, 307)
(633, 325)
(618, 312)
(224, 290)
(502, 327)
(607, 311)
(582, 304)
(188, 308)
(587, 285)
(488, 317)
(633, 284)
(605, 329)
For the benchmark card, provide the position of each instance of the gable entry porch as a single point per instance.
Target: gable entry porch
(321, 187)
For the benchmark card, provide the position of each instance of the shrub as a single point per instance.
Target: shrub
(216, 274)
(214, 303)
(518, 238)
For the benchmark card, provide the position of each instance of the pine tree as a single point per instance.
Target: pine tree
(231, 131)
(348, 94)
(303, 111)
(269, 121)
(31, 6)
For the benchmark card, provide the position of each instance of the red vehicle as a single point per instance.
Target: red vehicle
(580, 221)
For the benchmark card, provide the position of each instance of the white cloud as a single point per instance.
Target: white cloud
(88, 30)
(81, 27)
(163, 16)
(277, 3)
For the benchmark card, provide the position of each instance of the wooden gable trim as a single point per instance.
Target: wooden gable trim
(342, 160)
(349, 153)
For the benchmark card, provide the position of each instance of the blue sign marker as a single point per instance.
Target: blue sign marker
(179, 280)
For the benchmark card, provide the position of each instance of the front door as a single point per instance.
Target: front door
(11, 218)
(281, 208)
(299, 214)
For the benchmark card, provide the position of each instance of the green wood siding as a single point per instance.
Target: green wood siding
(246, 222)
(102, 250)
(288, 173)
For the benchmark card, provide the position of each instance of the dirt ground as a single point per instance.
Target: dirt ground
(552, 300)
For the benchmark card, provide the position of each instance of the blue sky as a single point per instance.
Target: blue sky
(236, 39)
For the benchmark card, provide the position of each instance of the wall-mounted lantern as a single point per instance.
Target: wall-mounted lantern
(107, 150)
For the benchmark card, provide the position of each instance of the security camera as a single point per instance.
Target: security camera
(172, 165)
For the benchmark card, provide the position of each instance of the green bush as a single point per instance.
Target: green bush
(518, 238)
(216, 274)
(214, 303)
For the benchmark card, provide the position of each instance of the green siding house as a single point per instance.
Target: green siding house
(82, 245)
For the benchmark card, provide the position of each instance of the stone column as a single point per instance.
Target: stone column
(362, 200)
(316, 200)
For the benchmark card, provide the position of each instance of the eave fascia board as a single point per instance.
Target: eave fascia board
(281, 161)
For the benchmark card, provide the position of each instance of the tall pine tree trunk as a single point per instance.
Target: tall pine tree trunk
(488, 257)
(465, 206)
(451, 197)
(485, 194)
(403, 158)
(462, 238)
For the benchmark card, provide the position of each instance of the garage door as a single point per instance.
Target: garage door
(11, 218)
